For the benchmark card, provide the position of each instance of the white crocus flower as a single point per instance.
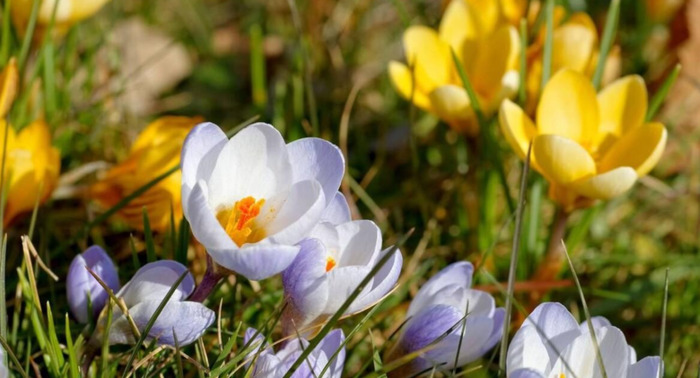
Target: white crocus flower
(250, 199)
(551, 343)
(332, 263)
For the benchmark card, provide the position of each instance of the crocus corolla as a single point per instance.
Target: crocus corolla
(250, 199)
(435, 323)
(552, 343)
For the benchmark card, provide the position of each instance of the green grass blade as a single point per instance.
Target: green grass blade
(512, 270)
(5, 37)
(152, 321)
(591, 329)
(183, 242)
(661, 94)
(548, 44)
(663, 323)
(607, 41)
(104, 368)
(72, 357)
(148, 235)
(257, 67)
(13, 357)
(522, 88)
(338, 314)
(473, 99)
(29, 34)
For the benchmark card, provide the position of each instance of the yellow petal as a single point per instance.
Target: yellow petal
(623, 105)
(9, 80)
(573, 47)
(606, 185)
(451, 103)
(489, 12)
(562, 160)
(401, 77)
(517, 127)
(568, 107)
(429, 55)
(640, 148)
(458, 24)
(494, 57)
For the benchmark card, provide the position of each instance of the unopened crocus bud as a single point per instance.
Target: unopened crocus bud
(436, 323)
(82, 287)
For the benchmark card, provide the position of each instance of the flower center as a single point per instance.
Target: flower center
(238, 221)
(330, 263)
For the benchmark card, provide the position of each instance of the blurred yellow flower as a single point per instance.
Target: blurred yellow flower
(32, 167)
(575, 46)
(68, 12)
(588, 147)
(486, 44)
(9, 81)
(156, 150)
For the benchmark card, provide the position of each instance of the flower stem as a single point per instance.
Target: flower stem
(554, 259)
(211, 278)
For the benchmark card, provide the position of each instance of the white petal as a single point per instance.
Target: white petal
(305, 286)
(204, 225)
(342, 281)
(579, 358)
(298, 215)
(320, 160)
(647, 367)
(382, 283)
(199, 153)
(188, 320)
(337, 211)
(458, 274)
(256, 261)
(253, 163)
(360, 243)
(153, 281)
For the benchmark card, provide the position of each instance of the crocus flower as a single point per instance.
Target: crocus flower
(32, 166)
(484, 42)
(9, 81)
(434, 323)
(330, 266)
(155, 151)
(81, 285)
(143, 294)
(269, 364)
(587, 147)
(551, 343)
(250, 199)
(68, 12)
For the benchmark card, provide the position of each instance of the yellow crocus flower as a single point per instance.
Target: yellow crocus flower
(32, 167)
(156, 150)
(68, 12)
(487, 46)
(589, 147)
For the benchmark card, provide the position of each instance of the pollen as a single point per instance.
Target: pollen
(330, 263)
(239, 221)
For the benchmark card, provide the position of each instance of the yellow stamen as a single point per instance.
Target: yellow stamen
(330, 263)
(238, 221)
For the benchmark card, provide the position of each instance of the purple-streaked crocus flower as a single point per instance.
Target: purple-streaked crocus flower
(330, 266)
(250, 199)
(435, 318)
(179, 319)
(81, 285)
(269, 364)
(4, 371)
(552, 343)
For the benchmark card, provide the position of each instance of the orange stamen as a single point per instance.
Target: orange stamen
(330, 263)
(238, 221)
